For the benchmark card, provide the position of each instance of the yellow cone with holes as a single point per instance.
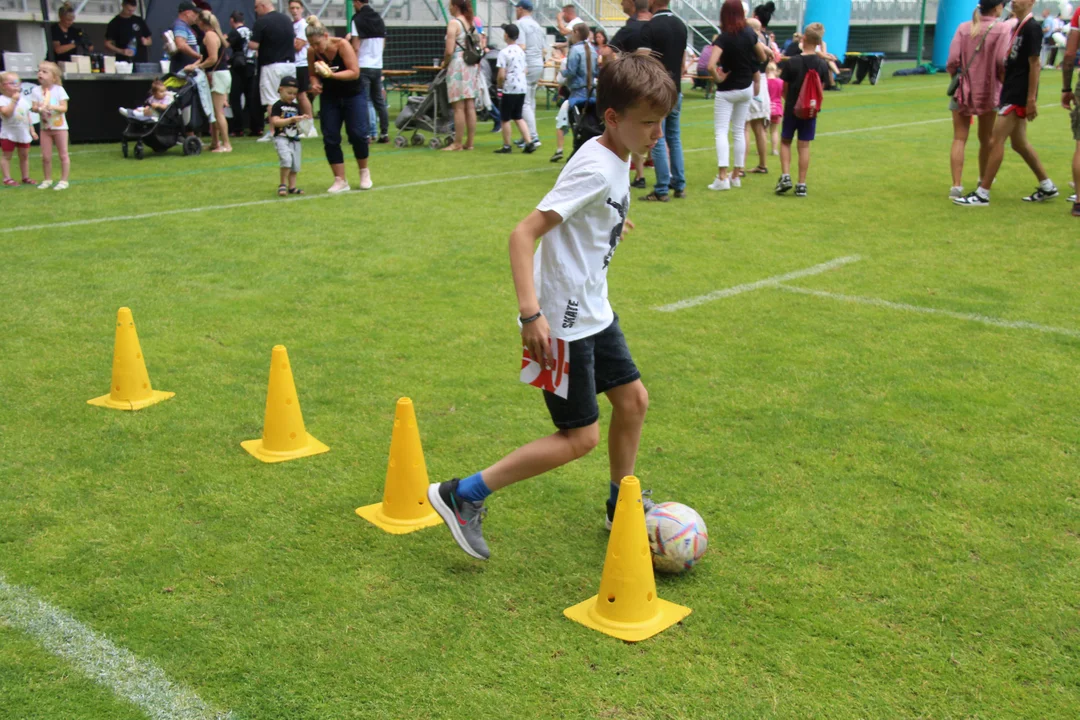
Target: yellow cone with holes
(627, 606)
(130, 388)
(284, 436)
(405, 507)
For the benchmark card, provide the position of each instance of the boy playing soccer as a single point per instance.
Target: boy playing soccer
(581, 221)
(511, 79)
(794, 73)
(285, 118)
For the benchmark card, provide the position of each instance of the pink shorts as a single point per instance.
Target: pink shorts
(775, 119)
(9, 146)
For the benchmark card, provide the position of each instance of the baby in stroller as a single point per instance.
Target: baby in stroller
(157, 102)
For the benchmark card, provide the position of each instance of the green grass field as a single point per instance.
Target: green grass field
(892, 494)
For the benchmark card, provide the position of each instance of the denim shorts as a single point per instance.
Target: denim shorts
(598, 363)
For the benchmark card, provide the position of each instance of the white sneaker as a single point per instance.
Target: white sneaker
(45, 185)
(267, 137)
(339, 186)
(957, 191)
(365, 179)
(62, 185)
(719, 184)
(736, 182)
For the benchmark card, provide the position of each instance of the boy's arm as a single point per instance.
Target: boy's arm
(535, 335)
(1034, 69)
(501, 79)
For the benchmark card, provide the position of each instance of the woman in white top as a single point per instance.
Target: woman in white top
(50, 101)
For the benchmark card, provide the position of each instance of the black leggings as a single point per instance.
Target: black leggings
(352, 110)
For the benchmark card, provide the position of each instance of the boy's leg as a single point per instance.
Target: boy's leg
(804, 160)
(523, 128)
(1003, 128)
(292, 179)
(629, 403)
(506, 132)
(785, 156)
(284, 176)
(560, 139)
(541, 456)
(1025, 150)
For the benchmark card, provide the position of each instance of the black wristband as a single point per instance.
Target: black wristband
(531, 318)
(1066, 90)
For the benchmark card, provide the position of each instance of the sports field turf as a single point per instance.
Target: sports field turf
(891, 493)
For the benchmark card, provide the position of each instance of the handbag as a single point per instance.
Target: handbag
(954, 84)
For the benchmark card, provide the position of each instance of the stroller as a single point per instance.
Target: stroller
(430, 113)
(170, 127)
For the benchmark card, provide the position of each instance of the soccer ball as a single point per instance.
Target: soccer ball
(677, 537)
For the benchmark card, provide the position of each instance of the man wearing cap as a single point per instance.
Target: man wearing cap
(532, 39)
(187, 46)
(272, 37)
(127, 36)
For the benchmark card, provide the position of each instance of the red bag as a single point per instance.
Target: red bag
(810, 96)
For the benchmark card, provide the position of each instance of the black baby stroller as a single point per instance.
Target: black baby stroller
(428, 113)
(170, 128)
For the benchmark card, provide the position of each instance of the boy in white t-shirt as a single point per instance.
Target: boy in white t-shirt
(581, 222)
(16, 130)
(511, 79)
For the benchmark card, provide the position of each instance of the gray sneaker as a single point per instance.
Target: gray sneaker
(464, 518)
(646, 503)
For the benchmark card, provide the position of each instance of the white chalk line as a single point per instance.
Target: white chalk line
(905, 307)
(276, 201)
(759, 284)
(137, 681)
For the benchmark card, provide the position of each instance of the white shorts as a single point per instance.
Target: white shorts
(760, 106)
(221, 82)
(270, 79)
(562, 118)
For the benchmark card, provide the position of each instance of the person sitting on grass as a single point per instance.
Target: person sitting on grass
(285, 119)
(579, 223)
(794, 74)
(511, 79)
(16, 131)
(1018, 107)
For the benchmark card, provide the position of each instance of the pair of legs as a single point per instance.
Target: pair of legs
(667, 157)
(961, 130)
(24, 162)
(731, 108)
(59, 138)
(629, 404)
(350, 111)
(219, 126)
(465, 124)
(757, 128)
(522, 128)
(804, 158)
(371, 82)
(1014, 129)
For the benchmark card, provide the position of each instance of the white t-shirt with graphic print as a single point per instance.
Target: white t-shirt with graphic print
(512, 57)
(57, 95)
(592, 196)
(17, 127)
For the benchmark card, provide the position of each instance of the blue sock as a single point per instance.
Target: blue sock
(614, 495)
(473, 489)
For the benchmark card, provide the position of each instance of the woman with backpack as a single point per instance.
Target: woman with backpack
(462, 63)
(977, 63)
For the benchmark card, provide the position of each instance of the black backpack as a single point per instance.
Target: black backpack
(586, 122)
(470, 49)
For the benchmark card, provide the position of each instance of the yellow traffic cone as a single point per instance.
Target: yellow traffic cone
(405, 507)
(627, 606)
(284, 436)
(130, 388)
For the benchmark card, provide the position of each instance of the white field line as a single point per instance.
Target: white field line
(137, 681)
(904, 307)
(759, 284)
(277, 201)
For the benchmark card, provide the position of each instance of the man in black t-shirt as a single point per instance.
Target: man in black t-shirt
(1018, 107)
(127, 36)
(273, 37)
(628, 37)
(666, 35)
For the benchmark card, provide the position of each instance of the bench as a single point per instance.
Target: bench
(551, 90)
(407, 89)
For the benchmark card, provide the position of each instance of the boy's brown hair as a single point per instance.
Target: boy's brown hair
(813, 34)
(634, 79)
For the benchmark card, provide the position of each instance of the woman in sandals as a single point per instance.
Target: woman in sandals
(462, 79)
(335, 76)
(980, 85)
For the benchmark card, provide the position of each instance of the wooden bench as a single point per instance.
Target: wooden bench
(551, 90)
(407, 89)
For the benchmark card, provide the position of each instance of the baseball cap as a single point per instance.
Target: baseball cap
(511, 31)
(524, 5)
(288, 81)
(186, 5)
